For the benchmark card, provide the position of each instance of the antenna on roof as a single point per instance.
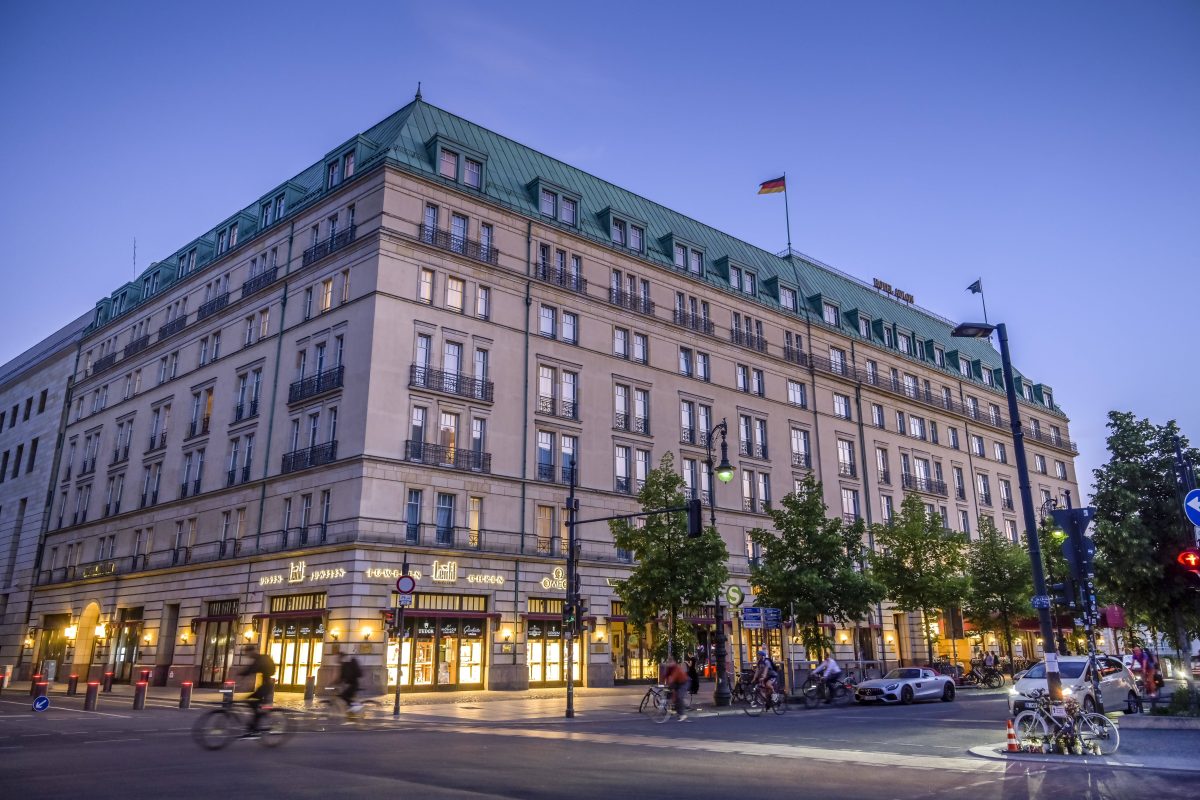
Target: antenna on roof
(418, 97)
(135, 256)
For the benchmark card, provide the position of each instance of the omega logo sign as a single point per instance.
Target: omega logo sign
(556, 580)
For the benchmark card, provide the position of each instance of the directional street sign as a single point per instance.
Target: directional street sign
(404, 600)
(1040, 601)
(41, 703)
(772, 618)
(406, 584)
(752, 617)
(1191, 506)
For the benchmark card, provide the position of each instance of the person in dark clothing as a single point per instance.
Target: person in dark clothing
(693, 676)
(263, 666)
(349, 676)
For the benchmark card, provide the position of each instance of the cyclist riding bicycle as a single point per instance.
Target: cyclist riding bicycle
(675, 677)
(832, 671)
(263, 666)
(765, 675)
(349, 675)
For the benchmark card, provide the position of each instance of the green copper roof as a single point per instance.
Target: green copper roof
(512, 168)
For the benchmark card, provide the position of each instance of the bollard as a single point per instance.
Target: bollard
(33, 685)
(310, 690)
(227, 693)
(40, 689)
(139, 696)
(108, 682)
(89, 698)
(72, 685)
(185, 695)
(145, 676)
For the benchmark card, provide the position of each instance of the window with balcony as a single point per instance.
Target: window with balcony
(801, 454)
(621, 469)
(850, 507)
(687, 422)
(845, 451)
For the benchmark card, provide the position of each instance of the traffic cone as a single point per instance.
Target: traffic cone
(1012, 739)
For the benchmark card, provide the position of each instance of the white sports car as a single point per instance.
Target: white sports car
(906, 684)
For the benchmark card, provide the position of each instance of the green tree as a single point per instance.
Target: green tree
(1056, 570)
(810, 564)
(921, 564)
(1000, 582)
(1140, 528)
(671, 571)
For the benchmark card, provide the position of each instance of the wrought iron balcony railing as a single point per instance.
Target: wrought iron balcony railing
(795, 355)
(104, 362)
(694, 322)
(470, 248)
(212, 306)
(633, 302)
(802, 460)
(748, 340)
(307, 457)
(561, 277)
(455, 383)
(313, 385)
(847, 470)
(137, 345)
(245, 410)
(260, 281)
(173, 327)
(328, 245)
(918, 483)
(442, 456)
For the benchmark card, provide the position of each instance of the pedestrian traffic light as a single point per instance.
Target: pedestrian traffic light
(1189, 559)
(695, 518)
(569, 617)
(1063, 594)
(389, 621)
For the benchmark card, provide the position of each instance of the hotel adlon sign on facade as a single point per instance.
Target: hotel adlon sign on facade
(441, 572)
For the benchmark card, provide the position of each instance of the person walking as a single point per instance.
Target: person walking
(693, 676)
(349, 675)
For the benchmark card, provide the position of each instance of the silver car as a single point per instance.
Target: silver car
(1117, 683)
(906, 684)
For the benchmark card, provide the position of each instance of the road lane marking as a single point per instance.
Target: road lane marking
(110, 741)
(863, 757)
(73, 710)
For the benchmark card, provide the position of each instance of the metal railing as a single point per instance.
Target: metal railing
(260, 281)
(694, 322)
(455, 383)
(687, 435)
(561, 277)
(327, 246)
(847, 470)
(212, 306)
(317, 384)
(157, 442)
(198, 427)
(633, 302)
(137, 345)
(442, 456)
(307, 457)
(802, 460)
(245, 410)
(104, 362)
(173, 327)
(445, 240)
(1050, 439)
(918, 483)
(751, 341)
(885, 477)
(795, 355)
(120, 454)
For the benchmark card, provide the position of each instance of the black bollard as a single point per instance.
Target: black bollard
(145, 673)
(72, 685)
(40, 689)
(139, 696)
(33, 685)
(227, 694)
(89, 698)
(310, 690)
(185, 695)
(108, 682)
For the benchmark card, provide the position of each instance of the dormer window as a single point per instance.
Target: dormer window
(905, 343)
(549, 203)
(568, 211)
(233, 235)
(831, 314)
(474, 173)
(988, 378)
(1026, 391)
(889, 337)
(448, 164)
(681, 254)
(636, 235)
(222, 242)
(939, 356)
(280, 206)
(964, 367)
(333, 174)
(348, 165)
(864, 327)
(787, 298)
(1048, 397)
(619, 235)
(696, 262)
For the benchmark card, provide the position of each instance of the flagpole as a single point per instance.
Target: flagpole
(788, 214)
(983, 299)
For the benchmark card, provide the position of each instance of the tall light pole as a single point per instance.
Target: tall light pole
(982, 330)
(724, 473)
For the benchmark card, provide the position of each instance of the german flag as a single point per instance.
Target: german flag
(772, 186)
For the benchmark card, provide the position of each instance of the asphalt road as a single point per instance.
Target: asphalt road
(524, 749)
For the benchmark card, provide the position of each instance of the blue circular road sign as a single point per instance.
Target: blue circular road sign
(1191, 506)
(41, 703)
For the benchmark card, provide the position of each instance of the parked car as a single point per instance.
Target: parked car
(1117, 683)
(906, 684)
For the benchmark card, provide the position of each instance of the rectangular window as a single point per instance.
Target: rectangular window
(830, 314)
(841, 406)
(953, 434)
(1039, 463)
(547, 321)
(568, 211)
(570, 327)
(685, 362)
(742, 373)
(474, 174)
(618, 232)
(758, 383)
(455, 292)
(877, 416)
(1001, 452)
(641, 348)
(1060, 470)
(448, 164)
(621, 342)
(483, 302)
(702, 367)
(797, 393)
(549, 203)
(635, 238)
(977, 445)
(425, 287)
(787, 298)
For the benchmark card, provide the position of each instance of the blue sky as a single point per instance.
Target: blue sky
(1049, 148)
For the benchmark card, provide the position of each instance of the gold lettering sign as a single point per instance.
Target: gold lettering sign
(295, 572)
(445, 572)
(486, 578)
(327, 574)
(270, 580)
(92, 570)
(886, 288)
(557, 579)
(390, 573)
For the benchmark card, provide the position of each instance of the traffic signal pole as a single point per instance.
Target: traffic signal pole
(399, 643)
(572, 600)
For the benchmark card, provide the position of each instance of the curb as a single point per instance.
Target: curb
(999, 752)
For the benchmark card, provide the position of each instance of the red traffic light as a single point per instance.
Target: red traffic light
(1189, 558)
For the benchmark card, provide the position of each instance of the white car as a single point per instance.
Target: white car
(906, 684)
(1117, 684)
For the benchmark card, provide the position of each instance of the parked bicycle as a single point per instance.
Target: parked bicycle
(219, 727)
(654, 698)
(761, 700)
(742, 689)
(1067, 726)
(987, 677)
(817, 690)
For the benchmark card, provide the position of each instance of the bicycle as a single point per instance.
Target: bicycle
(743, 688)
(987, 677)
(1083, 732)
(665, 703)
(219, 727)
(817, 690)
(761, 700)
(333, 710)
(654, 698)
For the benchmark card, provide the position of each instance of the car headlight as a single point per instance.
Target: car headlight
(1068, 691)
(891, 687)
(1013, 691)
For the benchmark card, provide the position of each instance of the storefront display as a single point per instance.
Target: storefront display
(217, 644)
(442, 647)
(296, 638)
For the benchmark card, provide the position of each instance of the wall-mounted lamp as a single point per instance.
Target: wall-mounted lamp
(100, 631)
(599, 634)
(890, 638)
(366, 633)
(334, 633)
(70, 631)
(28, 642)
(147, 638)
(507, 635)
(183, 636)
(844, 637)
(248, 634)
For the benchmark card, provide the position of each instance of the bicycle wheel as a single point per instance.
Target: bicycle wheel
(1099, 731)
(276, 728)
(841, 694)
(216, 729)
(811, 691)
(662, 710)
(755, 704)
(994, 680)
(645, 700)
(1030, 725)
(779, 703)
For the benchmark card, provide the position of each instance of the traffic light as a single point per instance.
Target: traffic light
(389, 621)
(1079, 550)
(1063, 594)
(695, 518)
(1189, 559)
(569, 617)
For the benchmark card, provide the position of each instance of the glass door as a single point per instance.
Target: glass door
(423, 653)
(214, 659)
(447, 673)
(470, 654)
(535, 645)
(554, 653)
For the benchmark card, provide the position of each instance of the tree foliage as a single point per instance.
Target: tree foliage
(811, 564)
(1000, 582)
(671, 571)
(922, 565)
(1140, 528)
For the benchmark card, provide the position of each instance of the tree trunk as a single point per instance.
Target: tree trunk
(1012, 669)
(671, 633)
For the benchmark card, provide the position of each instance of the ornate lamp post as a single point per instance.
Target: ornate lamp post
(724, 473)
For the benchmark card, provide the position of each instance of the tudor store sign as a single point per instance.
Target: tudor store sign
(557, 579)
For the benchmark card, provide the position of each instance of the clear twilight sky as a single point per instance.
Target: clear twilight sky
(1051, 148)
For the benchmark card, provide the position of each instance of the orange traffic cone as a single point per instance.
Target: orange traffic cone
(1012, 739)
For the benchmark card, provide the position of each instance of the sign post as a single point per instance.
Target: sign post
(405, 585)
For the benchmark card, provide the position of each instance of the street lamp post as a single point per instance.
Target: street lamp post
(724, 473)
(978, 330)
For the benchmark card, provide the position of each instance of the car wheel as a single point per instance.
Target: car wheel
(948, 693)
(1131, 700)
(1089, 705)
(906, 695)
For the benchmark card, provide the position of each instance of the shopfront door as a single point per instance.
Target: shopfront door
(546, 653)
(438, 653)
(296, 646)
(127, 642)
(219, 640)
